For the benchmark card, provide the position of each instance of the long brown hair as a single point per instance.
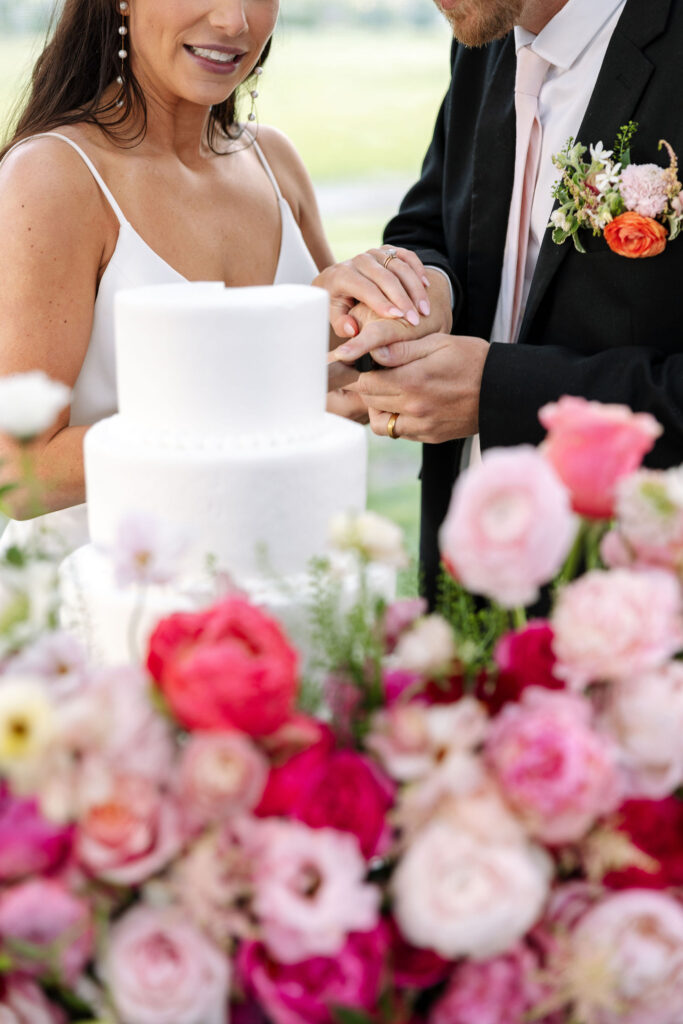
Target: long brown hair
(78, 64)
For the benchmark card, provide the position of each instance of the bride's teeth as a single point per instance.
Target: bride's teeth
(221, 58)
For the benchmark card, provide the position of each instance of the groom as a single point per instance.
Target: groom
(599, 324)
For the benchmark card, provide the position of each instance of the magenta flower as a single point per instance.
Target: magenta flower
(29, 845)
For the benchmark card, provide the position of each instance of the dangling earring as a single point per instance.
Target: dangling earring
(123, 52)
(258, 71)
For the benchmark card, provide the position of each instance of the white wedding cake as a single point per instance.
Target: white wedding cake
(222, 434)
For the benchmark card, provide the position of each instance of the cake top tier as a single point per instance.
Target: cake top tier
(199, 358)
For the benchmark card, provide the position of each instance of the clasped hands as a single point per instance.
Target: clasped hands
(430, 379)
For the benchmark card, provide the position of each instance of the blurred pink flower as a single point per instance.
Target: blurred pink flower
(592, 446)
(308, 993)
(221, 775)
(509, 526)
(555, 770)
(499, 991)
(45, 914)
(29, 844)
(22, 1002)
(427, 648)
(649, 529)
(344, 698)
(399, 616)
(645, 189)
(617, 624)
(147, 550)
(58, 658)
(160, 969)
(309, 889)
(132, 835)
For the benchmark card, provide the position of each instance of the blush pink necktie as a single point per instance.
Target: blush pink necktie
(531, 70)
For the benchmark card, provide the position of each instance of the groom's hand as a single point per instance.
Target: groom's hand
(432, 384)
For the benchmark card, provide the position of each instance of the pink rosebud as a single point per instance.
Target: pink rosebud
(509, 526)
(555, 770)
(29, 844)
(499, 991)
(592, 446)
(159, 968)
(221, 775)
(44, 914)
(617, 624)
(305, 993)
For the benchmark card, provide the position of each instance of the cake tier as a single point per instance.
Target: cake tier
(215, 360)
(254, 505)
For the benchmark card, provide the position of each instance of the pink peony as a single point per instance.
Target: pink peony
(309, 889)
(131, 836)
(29, 845)
(509, 526)
(555, 770)
(221, 775)
(161, 970)
(459, 896)
(649, 531)
(44, 914)
(627, 960)
(499, 991)
(615, 625)
(22, 1002)
(592, 446)
(308, 993)
(645, 189)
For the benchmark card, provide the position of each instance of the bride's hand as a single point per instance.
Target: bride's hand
(390, 281)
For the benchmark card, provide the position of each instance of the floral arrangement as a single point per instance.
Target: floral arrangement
(471, 818)
(636, 207)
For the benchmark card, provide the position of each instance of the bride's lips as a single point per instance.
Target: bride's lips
(222, 60)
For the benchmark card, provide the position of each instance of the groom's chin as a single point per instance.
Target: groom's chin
(478, 22)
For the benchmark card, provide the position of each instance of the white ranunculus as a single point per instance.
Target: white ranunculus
(29, 403)
(371, 535)
(460, 896)
(427, 648)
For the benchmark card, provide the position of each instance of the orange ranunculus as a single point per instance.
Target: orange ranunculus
(635, 236)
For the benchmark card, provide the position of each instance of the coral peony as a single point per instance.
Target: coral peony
(221, 775)
(632, 235)
(308, 993)
(524, 657)
(509, 526)
(592, 446)
(656, 828)
(615, 625)
(228, 667)
(555, 770)
(498, 991)
(161, 969)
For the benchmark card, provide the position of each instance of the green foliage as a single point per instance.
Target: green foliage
(622, 145)
(344, 1015)
(477, 624)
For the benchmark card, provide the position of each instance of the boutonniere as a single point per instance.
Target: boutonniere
(638, 208)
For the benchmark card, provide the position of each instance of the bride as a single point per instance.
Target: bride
(128, 166)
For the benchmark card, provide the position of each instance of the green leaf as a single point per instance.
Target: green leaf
(16, 557)
(345, 1015)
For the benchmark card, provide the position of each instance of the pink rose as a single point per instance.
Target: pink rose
(555, 770)
(308, 993)
(592, 446)
(160, 969)
(230, 667)
(22, 1002)
(29, 844)
(221, 775)
(617, 624)
(499, 991)
(635, 939)
(309, 889)
(524, 658)
(43, 913)
(509, 526)
(131, 836)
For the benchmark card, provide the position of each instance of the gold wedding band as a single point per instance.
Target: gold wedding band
(391, 255)
(390, 426)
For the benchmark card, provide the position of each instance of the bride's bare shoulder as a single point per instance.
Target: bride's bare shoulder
(287, 166)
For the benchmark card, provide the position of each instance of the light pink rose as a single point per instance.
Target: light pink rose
(592, 446)
(310, 889)
(22, 1002)
(43, 913)
(460, 896)
(617, 624)
(632, 941)
(499, 991)
(645, 716)
(161, 970)
(509, 526)
(221, 775)
(131, 836)
(555, 770)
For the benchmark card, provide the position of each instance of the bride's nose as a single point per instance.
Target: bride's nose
(230, 17)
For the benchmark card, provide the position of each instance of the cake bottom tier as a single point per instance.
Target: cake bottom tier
(250, 505)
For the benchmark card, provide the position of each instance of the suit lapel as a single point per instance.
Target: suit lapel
(621, 83)
(492, 178)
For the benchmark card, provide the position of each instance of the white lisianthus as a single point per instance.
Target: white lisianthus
(369, 534)
(147, 550)
(427, 648)
(29, 403)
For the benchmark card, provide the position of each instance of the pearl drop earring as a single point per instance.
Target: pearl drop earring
(258, 71)
(123, 52)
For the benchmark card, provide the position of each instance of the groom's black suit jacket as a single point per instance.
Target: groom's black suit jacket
(597, 325)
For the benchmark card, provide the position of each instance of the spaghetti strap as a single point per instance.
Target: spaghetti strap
(267, 168)
(86, 160)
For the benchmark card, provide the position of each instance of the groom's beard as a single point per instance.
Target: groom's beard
(477, 22)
